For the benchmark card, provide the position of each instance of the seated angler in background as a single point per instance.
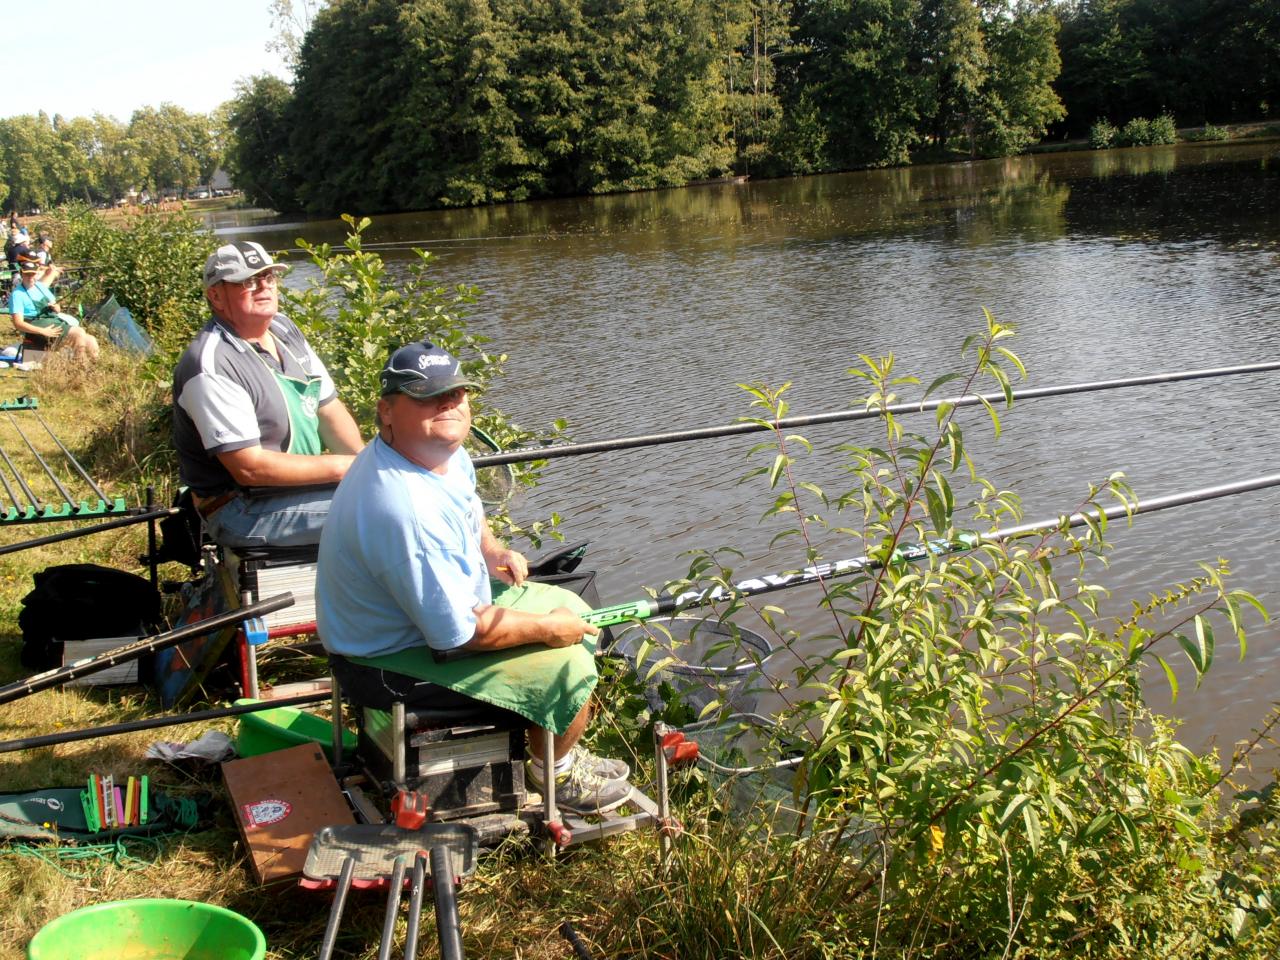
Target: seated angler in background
(35, 314)
(254, 407)
(405, 568)
(43, 252)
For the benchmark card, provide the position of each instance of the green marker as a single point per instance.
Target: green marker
(142, 810)
(90, 820)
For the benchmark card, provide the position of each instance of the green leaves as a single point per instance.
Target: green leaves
(974, 708)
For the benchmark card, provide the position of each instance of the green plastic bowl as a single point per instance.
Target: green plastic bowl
(149, 930)
(280, 727)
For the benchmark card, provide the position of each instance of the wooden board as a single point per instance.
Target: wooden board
(280, 800)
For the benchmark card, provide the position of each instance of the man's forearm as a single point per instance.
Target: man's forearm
(256, 467)
(499, 628)
(338, 430)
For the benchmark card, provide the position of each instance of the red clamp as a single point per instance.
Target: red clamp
(561, 834)
(678, 750)
(409, 809)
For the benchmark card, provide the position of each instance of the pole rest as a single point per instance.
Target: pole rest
(409, 809)
(255, 631)
(561, 834)
(21, 403)
(678, 750)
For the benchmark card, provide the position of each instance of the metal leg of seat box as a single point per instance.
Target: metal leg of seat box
(336, 708)
(556, 833)
(398, 745)
(250, 653)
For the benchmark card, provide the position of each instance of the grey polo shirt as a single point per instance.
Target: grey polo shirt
(225, 397)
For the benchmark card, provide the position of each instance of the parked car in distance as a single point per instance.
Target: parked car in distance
(200, 195)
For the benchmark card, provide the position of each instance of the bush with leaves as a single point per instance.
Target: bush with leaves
(1141, 132)
(353, 316)
(150, 262)
(982, 776)
(1102, 134)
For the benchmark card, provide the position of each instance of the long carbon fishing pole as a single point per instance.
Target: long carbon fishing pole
(147, 517)
(151, 723)
(837, 416)
(74, 462)
(67, 498)
(9, 490)
(140, 648)
(35, 501)
(754, 586)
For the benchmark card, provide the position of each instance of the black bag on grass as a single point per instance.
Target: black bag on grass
(83, 601)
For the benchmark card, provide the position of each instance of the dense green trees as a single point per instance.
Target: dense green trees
(402, 105)
(1200, 60)
(46, 160)
(258, 157)
(406, 104)
(450, 102)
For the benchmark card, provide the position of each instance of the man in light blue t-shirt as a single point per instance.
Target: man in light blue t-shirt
(35, 313)
(406, 557)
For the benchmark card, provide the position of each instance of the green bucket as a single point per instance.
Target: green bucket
(269, 730)
(149, 930)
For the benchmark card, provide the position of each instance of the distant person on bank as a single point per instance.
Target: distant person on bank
(254, 407)
(43, 251)
(36, 314)
(408, 565)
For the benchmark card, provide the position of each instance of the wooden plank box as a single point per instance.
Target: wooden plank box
(280, 800)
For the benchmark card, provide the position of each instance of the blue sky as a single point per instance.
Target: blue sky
(113, 56)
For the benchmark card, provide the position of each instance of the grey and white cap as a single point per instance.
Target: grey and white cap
(236, 262)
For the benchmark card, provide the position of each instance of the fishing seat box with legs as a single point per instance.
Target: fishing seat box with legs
(263, 572)
(465, 763)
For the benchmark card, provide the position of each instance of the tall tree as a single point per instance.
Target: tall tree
(257, 155)
(954, 64)
(860, 79)
(1019, 102)
(120, 160)
(291, 22)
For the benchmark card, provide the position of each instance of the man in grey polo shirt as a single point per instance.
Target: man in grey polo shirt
(253, 406)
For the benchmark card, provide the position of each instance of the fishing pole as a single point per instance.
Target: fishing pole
(173, 720)
(140, 648)
(967, 400)
(74, 462)
(9, 490)
(147, 517)
(66, 494)
(35, 501)
(650, 607)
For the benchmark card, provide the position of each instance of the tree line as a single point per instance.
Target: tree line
(1201, 61)
(406, 104)
(409, 104)
(47, 160)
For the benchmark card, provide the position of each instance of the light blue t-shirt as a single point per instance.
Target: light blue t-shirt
(29, 303)
(400, 557)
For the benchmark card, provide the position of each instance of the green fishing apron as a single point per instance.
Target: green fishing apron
(546, 686)
(302, 402)
(46, 317)
(51, 318)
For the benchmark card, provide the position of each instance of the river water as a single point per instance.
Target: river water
(641, 313)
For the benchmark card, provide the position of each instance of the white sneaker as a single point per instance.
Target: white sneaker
(581, 789)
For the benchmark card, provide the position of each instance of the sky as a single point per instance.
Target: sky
(113, 56)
